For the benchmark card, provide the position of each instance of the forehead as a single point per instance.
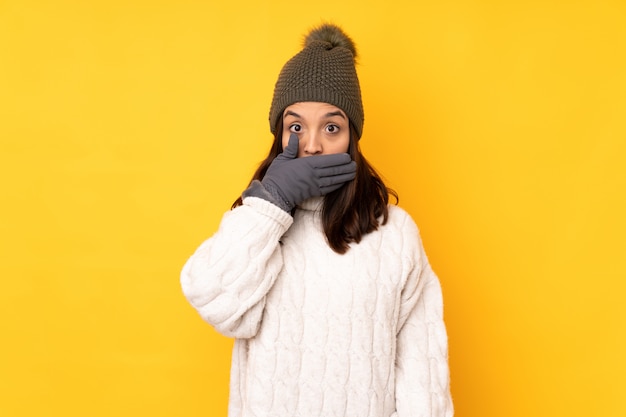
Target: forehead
(312, 108)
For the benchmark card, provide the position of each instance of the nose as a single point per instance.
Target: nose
(312, 144)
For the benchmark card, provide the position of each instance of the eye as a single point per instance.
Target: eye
(332, 128)
(295, 128)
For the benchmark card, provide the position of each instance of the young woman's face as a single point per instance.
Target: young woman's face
(322, 128)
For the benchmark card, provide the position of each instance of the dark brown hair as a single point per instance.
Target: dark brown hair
(353, 210)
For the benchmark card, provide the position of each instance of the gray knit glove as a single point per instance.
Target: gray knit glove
(290, 180)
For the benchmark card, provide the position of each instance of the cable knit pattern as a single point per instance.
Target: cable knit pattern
(318, 333)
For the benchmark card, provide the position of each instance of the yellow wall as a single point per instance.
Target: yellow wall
(127, 128)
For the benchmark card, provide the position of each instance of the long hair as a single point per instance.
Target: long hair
(359, 207)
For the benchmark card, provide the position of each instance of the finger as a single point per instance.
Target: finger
(291, 151)
(331, 171)
(336, 179)
(321, 161)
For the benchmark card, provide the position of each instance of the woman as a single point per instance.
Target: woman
(325, 287)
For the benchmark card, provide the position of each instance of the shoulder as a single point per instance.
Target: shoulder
(400, 219)
(403, 231)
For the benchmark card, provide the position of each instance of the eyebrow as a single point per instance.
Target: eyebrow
(335, 113)
(290, 113)
(327, 115)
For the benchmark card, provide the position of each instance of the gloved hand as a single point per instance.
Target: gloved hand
(293, 180)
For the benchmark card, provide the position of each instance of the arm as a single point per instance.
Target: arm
(230, 274)
(227, 278)
(422, 374)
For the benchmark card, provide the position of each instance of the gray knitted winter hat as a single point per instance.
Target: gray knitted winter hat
(323, 71)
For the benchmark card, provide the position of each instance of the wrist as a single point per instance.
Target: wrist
(267, 192)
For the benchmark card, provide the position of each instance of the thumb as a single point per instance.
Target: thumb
(291, 151)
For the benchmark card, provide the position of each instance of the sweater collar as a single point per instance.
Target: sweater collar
(312, 204)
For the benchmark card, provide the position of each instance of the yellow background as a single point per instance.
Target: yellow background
(128, 127)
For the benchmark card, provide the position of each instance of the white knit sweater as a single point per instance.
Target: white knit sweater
(318, 333)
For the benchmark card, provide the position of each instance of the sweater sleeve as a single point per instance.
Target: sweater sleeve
(422, 374)
(227, 278)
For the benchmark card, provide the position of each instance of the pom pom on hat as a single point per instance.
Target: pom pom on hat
(333, 35)
(324, 71)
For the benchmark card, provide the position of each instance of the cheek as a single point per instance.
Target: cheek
(343, 144)
(346, 146)
(337, 145)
